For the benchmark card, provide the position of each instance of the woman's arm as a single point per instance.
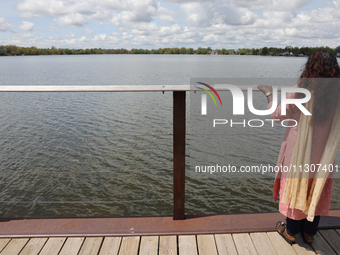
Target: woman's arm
(268, 91)
(290, 114)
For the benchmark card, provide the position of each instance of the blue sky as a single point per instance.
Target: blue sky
(173, 23)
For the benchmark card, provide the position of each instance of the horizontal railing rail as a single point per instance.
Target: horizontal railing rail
(111, 88)
(179, 120)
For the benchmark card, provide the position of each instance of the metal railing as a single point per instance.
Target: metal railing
(179, 127)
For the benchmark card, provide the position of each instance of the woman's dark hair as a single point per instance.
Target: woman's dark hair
(326, 92)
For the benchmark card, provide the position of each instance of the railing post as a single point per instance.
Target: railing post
(179, 154)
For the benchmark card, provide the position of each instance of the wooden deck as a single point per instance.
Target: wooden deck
(326, 242)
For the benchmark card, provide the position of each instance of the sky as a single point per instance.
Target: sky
(152, 24)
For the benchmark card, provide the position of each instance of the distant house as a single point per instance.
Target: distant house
(284, 54)
(234, 52)
(338, 54)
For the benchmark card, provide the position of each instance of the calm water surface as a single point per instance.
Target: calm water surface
(104, 154)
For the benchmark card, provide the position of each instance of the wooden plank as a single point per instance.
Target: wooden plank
(225, 244)
(321, 246)
(4, 242)
(33, 246)
(91, 245)
(332, 238)
(206, 245)
(110, 246)
(262, 243)
(14, 246)
(187, 245)
(244, 244)
(168, 245)
(72, 246)
(338, 231)
(130, 245)
(301, 248)
(149, 245)
(52, 246)
(280, 244)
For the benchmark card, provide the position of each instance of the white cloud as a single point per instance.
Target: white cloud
(106, 38)
(276, 5)
(165, 31)
(27, 26)
(53, 27)
(290, 4)
(88, 31)
(188, 1)
(70, 35)
(191, 23)
(41, 8)
(102, 15)
(101, 37)
(84, 39)
(196, 13)
(275, 19)
(140, 11)
(207, 14)
(143, 28)
(4, 25)
(73, 19)
(165, 14)
(113, 4)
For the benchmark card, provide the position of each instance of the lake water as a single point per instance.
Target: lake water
(106, 154)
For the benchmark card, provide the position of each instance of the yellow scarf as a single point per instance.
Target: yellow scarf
(296, 188)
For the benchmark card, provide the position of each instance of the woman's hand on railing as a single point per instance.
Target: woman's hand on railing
(267, 90)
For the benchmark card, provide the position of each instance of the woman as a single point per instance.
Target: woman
(304, 198)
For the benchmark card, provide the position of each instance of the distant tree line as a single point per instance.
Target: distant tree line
(289, 49)
(12, 50)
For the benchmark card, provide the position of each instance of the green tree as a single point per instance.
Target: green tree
(175, 51)
(20, 51)
(225, 52)
(2, 50)
(330, 49)
(288, 49)
(254, 51)
(296, 50)
(201, 51)
(265, 51)
(132, 51)
(190, 51)
(244, 51)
